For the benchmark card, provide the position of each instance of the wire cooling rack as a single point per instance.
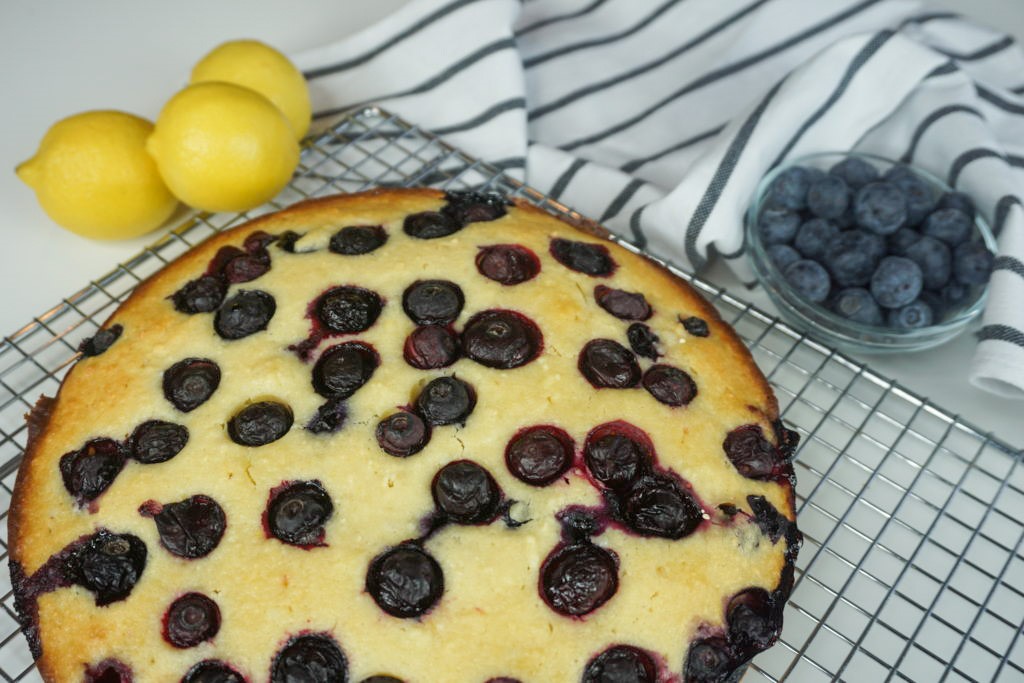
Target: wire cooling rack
(912, 567)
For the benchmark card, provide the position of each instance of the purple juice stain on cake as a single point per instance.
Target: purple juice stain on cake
(259, 424)
(356, 240)
(621, 664)
(329, 417)
(583, 257)
(643, 341)
(509, 264)
(108, 671)
(466, 493)
(501, 339)
(191, 619)
(90, 470)
(101, 341)
(212, 671)
(189, 383)
(578, 578)
(445, 401)
(622, 304)
(539, 455)
(430, 347)
(310, 658)
(607, 364)
(405, 581)
(297, 512)
(247, 312)
(433, 302)
(344, 368)
(669, 385)
(402, 434)
(156, 441)
(338, 311)
(190, 528)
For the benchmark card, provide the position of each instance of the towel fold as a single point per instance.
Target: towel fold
(659, 117)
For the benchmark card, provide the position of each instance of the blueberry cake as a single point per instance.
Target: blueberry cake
(406, 435)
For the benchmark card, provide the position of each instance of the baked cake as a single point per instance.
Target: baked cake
(406, 435)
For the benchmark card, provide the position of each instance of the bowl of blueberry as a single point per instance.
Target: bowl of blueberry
(869, 254)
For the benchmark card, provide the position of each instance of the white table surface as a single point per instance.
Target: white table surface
(63, 57)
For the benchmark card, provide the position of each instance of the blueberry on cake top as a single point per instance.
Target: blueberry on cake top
(406, 436)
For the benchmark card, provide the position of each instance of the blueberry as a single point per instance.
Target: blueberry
(402, 434)
(643, 341)
(246, 267)
(621, 664)
(856, 172)
(433, 302)
(955, 294)
(921, 198)
(539, 455)
(952, 226)
(466, 206)
(356, 240)
(342, 369)
(583, 257)
(657, 505)
(935, 302)
(698, 327)
(509, 264)
(614, 458)
(101, 341)
(814, 237)
(89, 471)
(753, 455)
(466, 493)
(880, 207)
(297, 512)
(809, 279)
(246, 313)
(857, 304)
(576, 579)
(212, 671)
(669, 385)
(108, 671)
(348, 309)
(379, 678)
(428, 225)
(310, 658)
(752, 623)
(972, 263)
(896, 282)
(501, 339)
(329, 417)
(622, 304)
(202, 295)
(777, 226)
(828, 197)
(429, 347)
(191, 619)
(190, 383)
(782, 255)
(709, 661)
(934, 258)
(156, 441)
(853, 256)
(445, 401)
(405, 581)
(258, 424)
(914, 315)
(607, 364)
(190, 528)
(789, 189)
(109, 565)
(898, 242)
(960, 201)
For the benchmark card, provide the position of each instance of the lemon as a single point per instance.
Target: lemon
(222, 147)
(263, 69)
(92, 175)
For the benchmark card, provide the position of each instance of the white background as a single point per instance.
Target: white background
(63, 57)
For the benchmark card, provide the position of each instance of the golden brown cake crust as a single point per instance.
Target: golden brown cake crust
(111, 393)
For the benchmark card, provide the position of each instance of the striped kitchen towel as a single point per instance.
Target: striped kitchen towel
(659, 117)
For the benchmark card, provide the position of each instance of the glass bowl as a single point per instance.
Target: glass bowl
(822, 323)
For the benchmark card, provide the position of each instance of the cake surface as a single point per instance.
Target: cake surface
(403, 433)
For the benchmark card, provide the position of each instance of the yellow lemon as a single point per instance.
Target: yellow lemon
(92, 175)
(222, 147)
(263, 69)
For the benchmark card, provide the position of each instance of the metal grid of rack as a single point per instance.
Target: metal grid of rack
(912, 567)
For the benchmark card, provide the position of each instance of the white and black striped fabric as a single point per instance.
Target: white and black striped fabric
(659, 117)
